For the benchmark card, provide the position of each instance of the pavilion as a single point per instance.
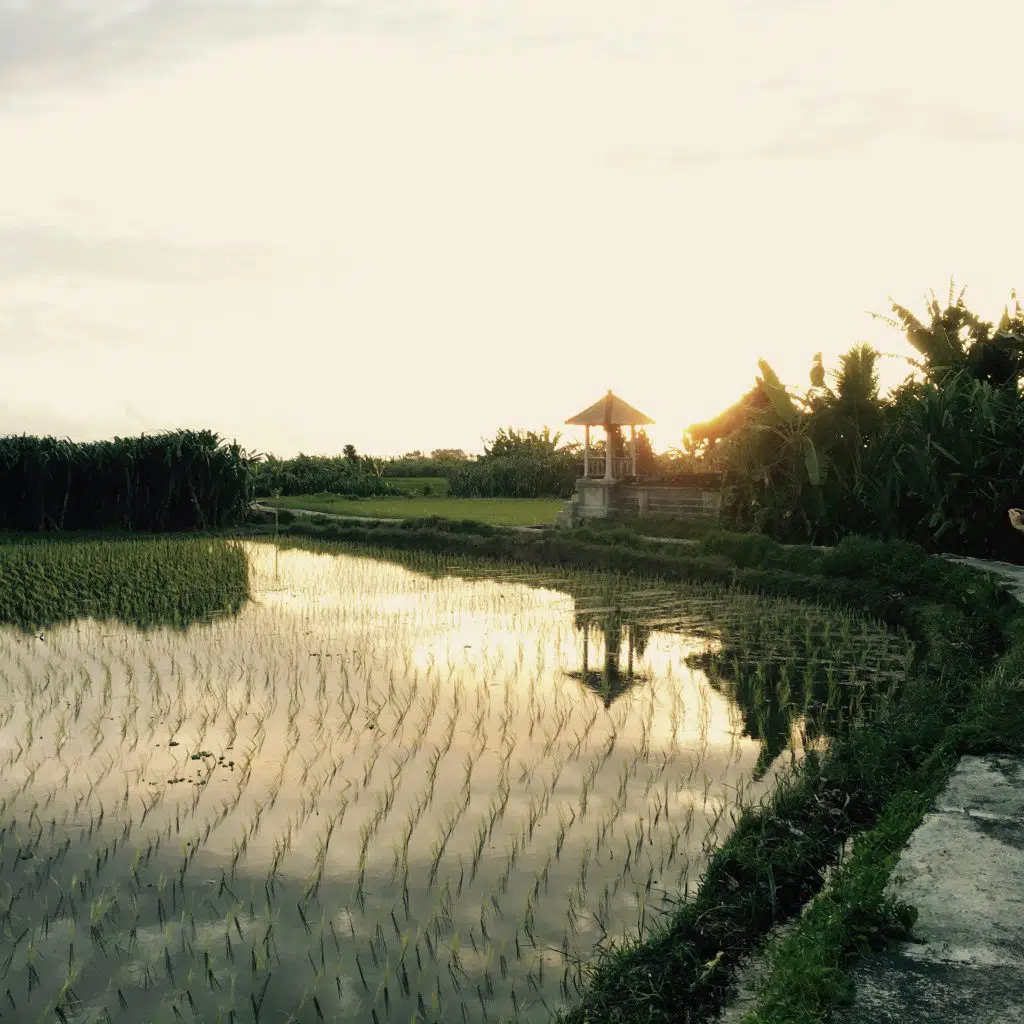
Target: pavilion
(609, 412)
(611, 487)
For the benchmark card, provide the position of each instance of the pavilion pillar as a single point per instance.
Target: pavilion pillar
(632, 446)
(608, 453)
(586, 451)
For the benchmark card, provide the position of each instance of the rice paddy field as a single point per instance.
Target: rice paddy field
(350, 787)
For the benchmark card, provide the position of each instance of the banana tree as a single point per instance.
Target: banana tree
(778, 468)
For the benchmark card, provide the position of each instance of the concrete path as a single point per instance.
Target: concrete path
(964, 870)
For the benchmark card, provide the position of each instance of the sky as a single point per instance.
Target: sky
(402, 224)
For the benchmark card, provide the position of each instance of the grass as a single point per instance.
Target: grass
(693, 528)
(807, 970)
(492, 511)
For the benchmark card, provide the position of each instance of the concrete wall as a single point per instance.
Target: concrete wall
(595, 499)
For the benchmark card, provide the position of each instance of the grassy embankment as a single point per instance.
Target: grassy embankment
(962, 694)
(494, 511)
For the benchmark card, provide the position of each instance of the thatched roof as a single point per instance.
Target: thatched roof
(610, 411)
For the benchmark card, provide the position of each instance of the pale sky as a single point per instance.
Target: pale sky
(404, 223)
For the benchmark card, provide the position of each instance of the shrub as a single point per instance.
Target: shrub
(317, 474)
(515, 476)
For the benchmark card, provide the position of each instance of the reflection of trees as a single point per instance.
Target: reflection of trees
(610, 681)
(766, 717)
(772, 703)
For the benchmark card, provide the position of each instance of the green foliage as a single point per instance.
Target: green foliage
(937, 462)
(317, 474)
(441, 462)
(955, 340)
(511, 442)
(181, 480)
(519, 464)
(145, 583)
(515, 476)
(948, 465)
(851, 918)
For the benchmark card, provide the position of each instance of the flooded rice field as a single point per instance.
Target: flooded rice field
(342, 787)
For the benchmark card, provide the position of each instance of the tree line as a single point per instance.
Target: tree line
(939, 460)
(178, 480)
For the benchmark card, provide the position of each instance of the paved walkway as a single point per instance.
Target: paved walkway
(964, 870)
(1013, 574)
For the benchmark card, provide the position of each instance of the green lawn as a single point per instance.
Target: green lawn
(438, 484)
(496, 511)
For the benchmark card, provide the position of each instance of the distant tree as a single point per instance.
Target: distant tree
(955, 340)
(448, 455)
(524, 442)
(646, 460)
(350, 454)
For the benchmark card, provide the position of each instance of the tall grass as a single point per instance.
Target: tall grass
(180, 480)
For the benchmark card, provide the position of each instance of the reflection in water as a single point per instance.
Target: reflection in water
(767, 718)
(611, 680)
(375, 791)
(802, 683)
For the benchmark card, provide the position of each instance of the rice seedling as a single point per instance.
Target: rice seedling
(373, 790)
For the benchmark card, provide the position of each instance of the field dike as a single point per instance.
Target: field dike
(870, 785)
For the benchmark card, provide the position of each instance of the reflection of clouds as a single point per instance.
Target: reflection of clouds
(332, 654)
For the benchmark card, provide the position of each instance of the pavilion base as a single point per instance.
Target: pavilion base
(611, 499)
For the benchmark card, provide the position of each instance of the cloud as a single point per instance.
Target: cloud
(30, 252)
(61, 43)
(851, 122)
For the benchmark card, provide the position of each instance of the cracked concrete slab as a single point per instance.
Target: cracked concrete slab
(964, 871)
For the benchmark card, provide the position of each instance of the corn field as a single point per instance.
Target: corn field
(179, 480)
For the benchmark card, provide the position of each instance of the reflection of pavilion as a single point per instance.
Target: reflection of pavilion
(610, 681)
